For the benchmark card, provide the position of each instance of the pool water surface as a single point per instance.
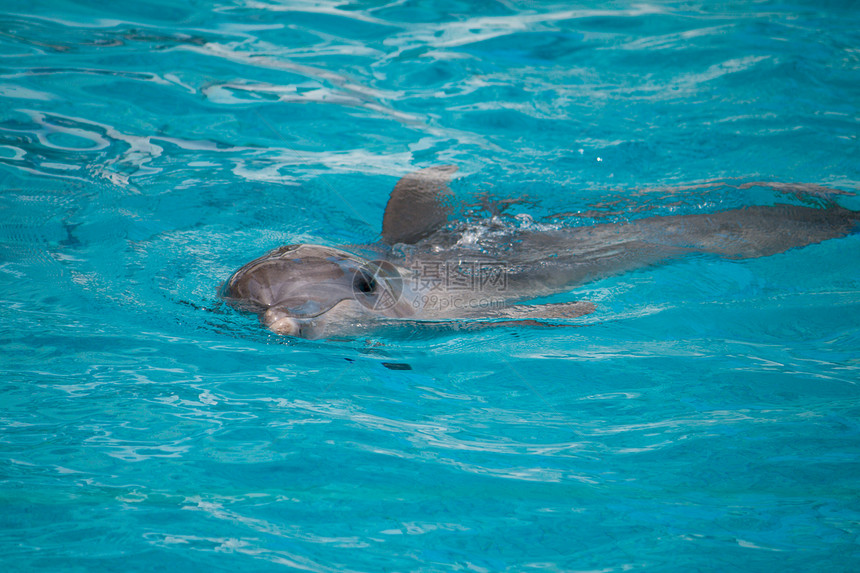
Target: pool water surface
(706, 416)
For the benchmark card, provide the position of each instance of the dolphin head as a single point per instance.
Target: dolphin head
(311, 290)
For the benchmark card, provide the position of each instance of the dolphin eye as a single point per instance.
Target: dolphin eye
(364, 282)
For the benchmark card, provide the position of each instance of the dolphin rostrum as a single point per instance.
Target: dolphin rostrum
(430, 272)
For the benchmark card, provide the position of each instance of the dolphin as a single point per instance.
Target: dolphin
(426, 271)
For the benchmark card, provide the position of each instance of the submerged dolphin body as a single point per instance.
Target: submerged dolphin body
(430, 273)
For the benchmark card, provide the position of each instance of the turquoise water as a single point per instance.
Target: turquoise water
(705, 418)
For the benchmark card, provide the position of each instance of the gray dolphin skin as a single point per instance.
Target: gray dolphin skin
(429, 272)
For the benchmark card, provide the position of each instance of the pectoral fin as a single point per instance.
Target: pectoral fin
(419, 205)
(523, 315)
(530, 313)
(564, 310)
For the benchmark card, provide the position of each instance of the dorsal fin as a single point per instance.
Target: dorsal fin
(418, 206)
